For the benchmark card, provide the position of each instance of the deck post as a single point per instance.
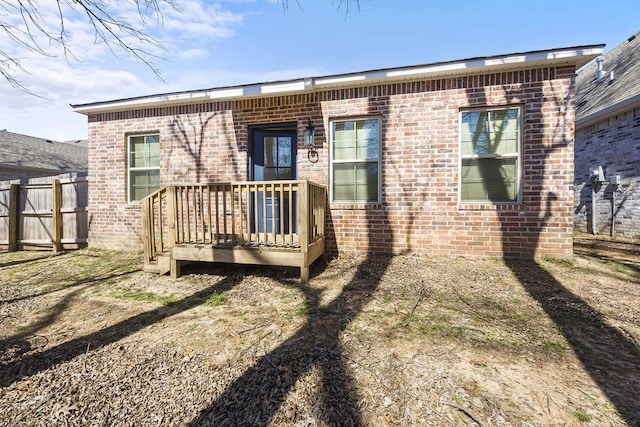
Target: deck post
(172, 218)
(303, 229)
(14, 203)
(56, 222)
(146, 213)
(172, 215)
(175, 267)
(304, 275)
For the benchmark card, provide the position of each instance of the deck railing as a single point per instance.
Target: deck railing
(275, 214)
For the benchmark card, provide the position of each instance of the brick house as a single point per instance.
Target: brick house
(471, 157)
(608, 136)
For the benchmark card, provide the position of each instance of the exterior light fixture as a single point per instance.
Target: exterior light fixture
(309, 133)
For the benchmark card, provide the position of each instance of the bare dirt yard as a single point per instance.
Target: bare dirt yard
(88, 339)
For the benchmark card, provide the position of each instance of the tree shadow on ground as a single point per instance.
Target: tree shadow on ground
(68, 286)
(611, 359)
(607, 356)
(20, 343)
(31, 364)
(30, 260)
(629, 257)
(255, 397)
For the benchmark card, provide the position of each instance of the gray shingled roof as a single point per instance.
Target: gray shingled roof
(596, 97)
(23, 151)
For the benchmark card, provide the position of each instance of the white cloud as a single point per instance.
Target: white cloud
(192, 25)
(192, 54)
(190, 16)
(58, 84)
(200, 30)
(54, 79)
(94, 72)
(55, 121)
(188, 35)
(50, 115)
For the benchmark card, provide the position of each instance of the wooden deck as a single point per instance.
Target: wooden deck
(268, 223)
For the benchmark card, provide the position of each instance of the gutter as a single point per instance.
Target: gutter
(576, 56)
(611, 110)
(33, 169)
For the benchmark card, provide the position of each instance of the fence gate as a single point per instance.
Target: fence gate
(48, 212)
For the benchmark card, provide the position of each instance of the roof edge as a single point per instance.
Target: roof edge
(576, 56)
(612, 110)
(28, 168)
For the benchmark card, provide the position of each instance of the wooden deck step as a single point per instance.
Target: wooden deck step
(162, 264)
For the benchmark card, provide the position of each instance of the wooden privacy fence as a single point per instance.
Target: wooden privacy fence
(44, 213)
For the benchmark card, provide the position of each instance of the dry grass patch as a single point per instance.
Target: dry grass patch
(87, 338)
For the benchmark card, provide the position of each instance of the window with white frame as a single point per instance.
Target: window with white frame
(490, 155)
(355, 160)
(144, 165)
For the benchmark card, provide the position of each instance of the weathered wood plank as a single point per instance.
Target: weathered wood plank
(13, 217)
(239, 255)
(303, 221)
(172, 216)
(56, 221)
(147, 230)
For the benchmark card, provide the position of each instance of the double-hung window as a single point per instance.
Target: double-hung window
(355, 160)
(490, 155)
(144, 165)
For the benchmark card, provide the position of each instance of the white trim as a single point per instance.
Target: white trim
(518, 156)
(332, 161)
(258, 90)
(464, 67)
(142, 168)
(146, 102)
(577, 56)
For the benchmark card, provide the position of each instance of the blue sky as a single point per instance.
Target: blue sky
(219, 43)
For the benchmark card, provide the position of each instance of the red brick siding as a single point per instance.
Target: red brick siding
(419, 151)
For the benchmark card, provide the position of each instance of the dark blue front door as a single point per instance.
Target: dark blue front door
(272, 158)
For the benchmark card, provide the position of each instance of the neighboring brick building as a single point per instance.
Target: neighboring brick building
(471, 157)
(608, 136)
(23, 156)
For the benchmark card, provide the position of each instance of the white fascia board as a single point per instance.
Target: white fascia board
(343, 80)
(611, 110)
(467, 67)
(570, 56)
(284, 87)
(275, 88)
(226, 93)
(143, 102)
